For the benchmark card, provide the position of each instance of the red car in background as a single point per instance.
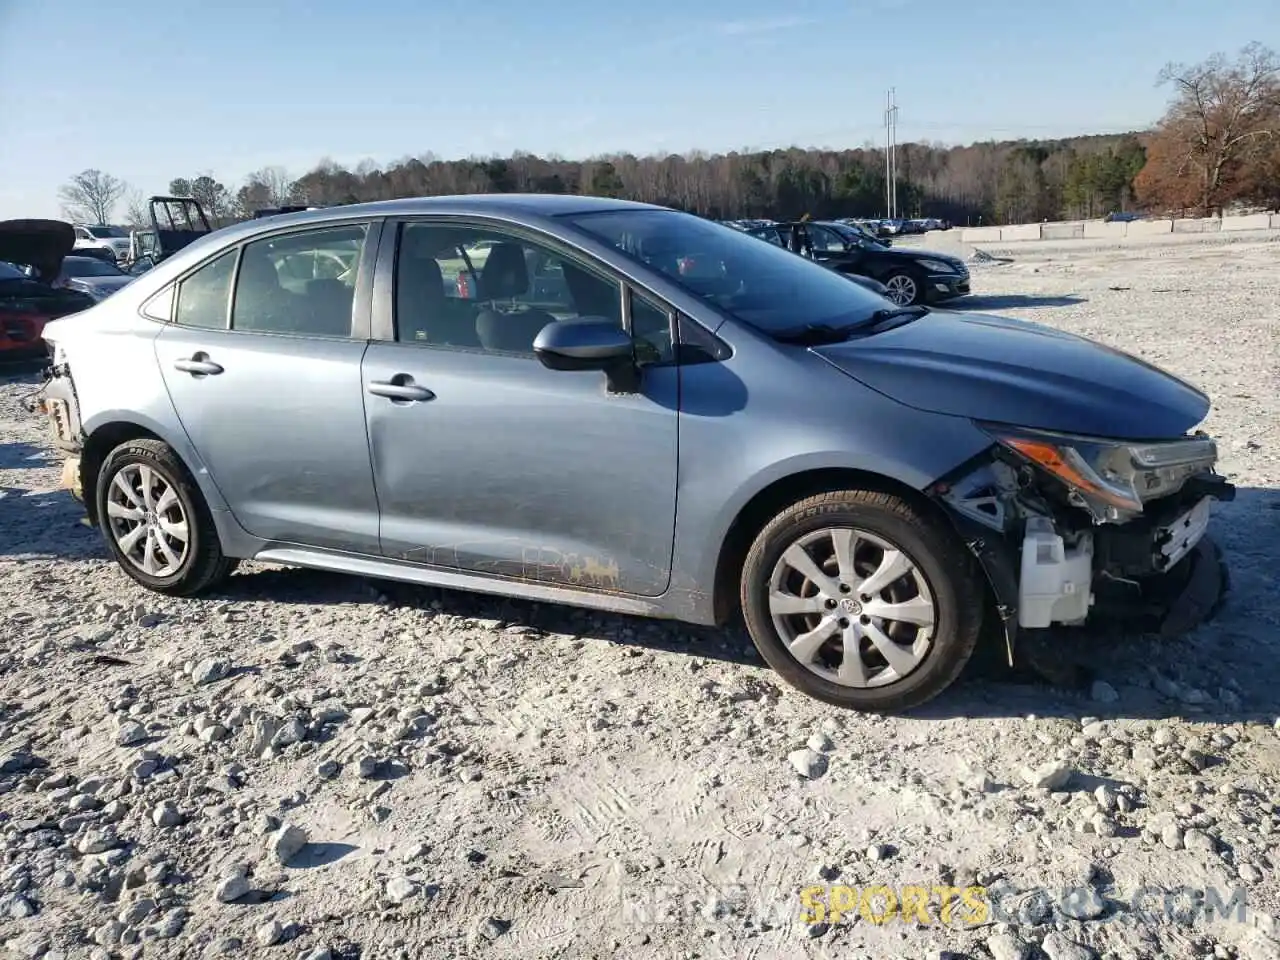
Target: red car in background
(30, 300)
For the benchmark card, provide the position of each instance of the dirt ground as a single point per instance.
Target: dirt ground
(313, 766)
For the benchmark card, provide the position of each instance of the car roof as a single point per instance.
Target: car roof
(529, 207)
(517, 206)
(536, 204)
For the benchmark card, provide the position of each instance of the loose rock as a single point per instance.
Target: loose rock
(210, 670)
(287, 842)
(1058, 947)
(231, 889)
(1050, 776)
(269, 933)
(809, 763)
(400, 889)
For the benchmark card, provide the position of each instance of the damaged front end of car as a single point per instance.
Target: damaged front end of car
(1072, 529)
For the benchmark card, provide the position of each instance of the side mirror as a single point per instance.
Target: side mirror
(589, 343)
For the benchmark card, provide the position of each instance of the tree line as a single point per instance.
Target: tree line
(1218, 145)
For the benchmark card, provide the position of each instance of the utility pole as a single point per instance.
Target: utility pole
(888, 162)
(893, 112)
(891, 153)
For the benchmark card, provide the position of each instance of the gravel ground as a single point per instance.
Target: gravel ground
(313, 766)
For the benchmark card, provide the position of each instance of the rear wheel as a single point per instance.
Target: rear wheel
(861, 600)
(156, 522)
(904, 289)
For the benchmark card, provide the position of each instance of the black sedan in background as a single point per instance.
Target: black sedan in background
(91, 275)
(910, 275)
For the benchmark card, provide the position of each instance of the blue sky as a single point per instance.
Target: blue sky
(149, 90)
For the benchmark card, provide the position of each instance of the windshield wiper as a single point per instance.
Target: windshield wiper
(818, 334)
(814, 334)
(894, 313)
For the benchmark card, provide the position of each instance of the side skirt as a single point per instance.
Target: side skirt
(456, 580)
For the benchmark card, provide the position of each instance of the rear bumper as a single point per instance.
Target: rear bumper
(70, 479)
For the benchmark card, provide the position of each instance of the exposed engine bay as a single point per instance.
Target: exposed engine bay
(1069, 528)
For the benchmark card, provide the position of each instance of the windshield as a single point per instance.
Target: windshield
(89, 267)
(758, 283)
(102, 233)
(9, 272)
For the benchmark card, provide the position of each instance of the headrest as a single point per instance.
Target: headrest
(505, 273)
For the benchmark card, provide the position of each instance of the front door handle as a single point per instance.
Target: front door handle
(399, 391)
(198, 365)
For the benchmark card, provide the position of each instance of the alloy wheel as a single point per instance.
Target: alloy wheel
(852, 607)
(147, 520)
(902, 289)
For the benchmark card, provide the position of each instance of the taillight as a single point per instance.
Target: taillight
(464, 287)
(22, 329)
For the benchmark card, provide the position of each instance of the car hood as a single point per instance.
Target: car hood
(1016, 372)
(37, 243)
(915, 253)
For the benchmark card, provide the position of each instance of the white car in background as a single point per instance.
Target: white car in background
(103, 237)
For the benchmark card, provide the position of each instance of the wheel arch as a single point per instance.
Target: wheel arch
(779, 494)
(108, 431)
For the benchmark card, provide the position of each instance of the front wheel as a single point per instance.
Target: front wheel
(156, 522)
(904, 289)
(859, 599)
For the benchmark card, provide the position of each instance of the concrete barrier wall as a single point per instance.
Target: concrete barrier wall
(1101, 230)
(1206, 225)
(1062, 231)
(1029, 231)
(1148, 228)
(1254, 221)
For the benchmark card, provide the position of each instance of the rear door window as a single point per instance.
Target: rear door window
(300, 283)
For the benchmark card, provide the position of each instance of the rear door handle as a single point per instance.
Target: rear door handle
(399, 391)
(198, 365)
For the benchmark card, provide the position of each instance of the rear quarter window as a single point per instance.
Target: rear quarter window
(204, 295)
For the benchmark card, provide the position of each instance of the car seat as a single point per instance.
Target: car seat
(506, 276)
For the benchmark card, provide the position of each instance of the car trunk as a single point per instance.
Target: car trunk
(27, 303)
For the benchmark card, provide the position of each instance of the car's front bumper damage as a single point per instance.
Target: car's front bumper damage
(1052, 563)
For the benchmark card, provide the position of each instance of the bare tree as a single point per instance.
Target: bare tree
(275, 183)
(1220, 110)
(136, 214)
(91, 196)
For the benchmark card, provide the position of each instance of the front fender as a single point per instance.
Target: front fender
(697, 558)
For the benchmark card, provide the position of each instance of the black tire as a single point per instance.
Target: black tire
(904, 277)
(947, 568)
(204, 566)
